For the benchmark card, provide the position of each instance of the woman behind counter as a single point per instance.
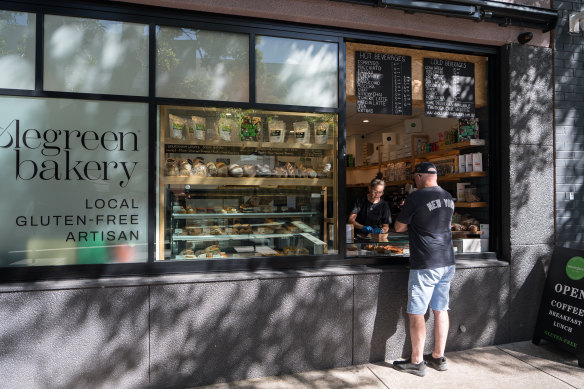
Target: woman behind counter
(371, 214)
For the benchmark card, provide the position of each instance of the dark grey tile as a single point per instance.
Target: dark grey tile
(528, 273)
(380, 322)
(216, 332)
(532, 195)
(87, 338)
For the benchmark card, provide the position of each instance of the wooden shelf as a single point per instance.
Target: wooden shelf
(439, 153)
(367, 167)
(198, 238)
(248, 145)
(452, 149)
(481, 204)
(446, 178)
(398, 160)
(459, 176)
(256, 181)
(240, 215)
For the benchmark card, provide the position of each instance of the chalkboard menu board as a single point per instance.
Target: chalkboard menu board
(561, 312)
(449, 88)
(383, 83)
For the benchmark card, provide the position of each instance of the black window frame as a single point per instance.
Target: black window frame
(158, 16)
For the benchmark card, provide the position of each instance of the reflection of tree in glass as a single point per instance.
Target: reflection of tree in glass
(89, 29)
(15, 24)
(106, 55)
(203, 64)
(269, 87)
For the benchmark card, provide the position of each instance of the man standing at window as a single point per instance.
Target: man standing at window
(427, 216)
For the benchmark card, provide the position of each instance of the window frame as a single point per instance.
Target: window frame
(154, 16)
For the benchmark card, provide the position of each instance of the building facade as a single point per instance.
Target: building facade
(106, 313)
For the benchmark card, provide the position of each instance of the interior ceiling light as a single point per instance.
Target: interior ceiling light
(365, 120)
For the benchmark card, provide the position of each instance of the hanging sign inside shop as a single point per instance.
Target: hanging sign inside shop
(561, 312)
(383, 83)
(449, 88)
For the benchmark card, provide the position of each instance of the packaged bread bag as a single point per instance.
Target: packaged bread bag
(321, 133)
(198, 128)
(302, 132)
(177, 126)
(277, 131)
(226, 128)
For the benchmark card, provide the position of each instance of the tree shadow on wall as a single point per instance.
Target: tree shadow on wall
(245, 329)
(74, 338)
(568, 58)
(195, 334)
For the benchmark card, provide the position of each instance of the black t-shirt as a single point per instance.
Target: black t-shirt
(372, 215)
(428, 214)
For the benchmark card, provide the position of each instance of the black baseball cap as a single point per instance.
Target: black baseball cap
(425, 167)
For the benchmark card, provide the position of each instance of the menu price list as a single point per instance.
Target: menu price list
(449, 88)
(384, 83)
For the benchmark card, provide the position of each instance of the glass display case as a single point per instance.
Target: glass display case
(236, 183)
(391, 245)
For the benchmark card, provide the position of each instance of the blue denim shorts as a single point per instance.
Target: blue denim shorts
(429, 286)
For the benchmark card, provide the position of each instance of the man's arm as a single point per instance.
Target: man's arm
(400, 227)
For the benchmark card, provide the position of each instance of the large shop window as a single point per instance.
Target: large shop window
(405, 106)
(236, 183)
(296, 72)
(74, 182)
(95, 56)
(17, 49)
(202, 65)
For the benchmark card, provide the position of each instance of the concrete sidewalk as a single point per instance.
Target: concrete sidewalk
(514, 365)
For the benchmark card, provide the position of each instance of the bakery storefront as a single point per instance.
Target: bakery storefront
(188, 175)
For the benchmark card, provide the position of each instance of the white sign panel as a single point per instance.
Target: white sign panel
(74, 180)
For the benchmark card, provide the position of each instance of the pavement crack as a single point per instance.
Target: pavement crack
(537, 368)
(376, 376)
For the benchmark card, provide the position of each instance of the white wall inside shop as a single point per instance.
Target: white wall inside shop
(378, 137)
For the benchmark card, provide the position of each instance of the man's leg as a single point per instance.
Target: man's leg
(419, 294)
(440, 305)
(418, 337)
(441, 325)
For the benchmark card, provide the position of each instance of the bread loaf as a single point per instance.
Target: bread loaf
(222, 170)
(235, 170)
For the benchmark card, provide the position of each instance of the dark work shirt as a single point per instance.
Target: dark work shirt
(372, 215)
(428, 214)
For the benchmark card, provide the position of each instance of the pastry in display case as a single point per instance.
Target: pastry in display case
(236, 183)
(392, 244)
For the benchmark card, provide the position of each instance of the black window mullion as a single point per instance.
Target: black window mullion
(342, 150)
(252, 68)
(152, 145)
(39, 53)
(152, 60)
